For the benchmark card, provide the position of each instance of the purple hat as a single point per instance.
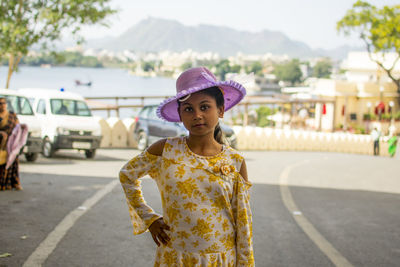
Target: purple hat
(194, 80)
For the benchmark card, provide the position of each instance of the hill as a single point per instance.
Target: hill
(154, 34)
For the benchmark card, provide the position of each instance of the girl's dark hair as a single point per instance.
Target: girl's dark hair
(219, 99)
(216, 93)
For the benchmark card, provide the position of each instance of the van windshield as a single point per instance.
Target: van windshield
(18, 104)
(69, 107)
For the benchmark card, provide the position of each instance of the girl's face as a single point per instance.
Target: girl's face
(3, 104)
(200, 114)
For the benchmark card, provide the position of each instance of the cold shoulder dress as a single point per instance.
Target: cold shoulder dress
(205, 202)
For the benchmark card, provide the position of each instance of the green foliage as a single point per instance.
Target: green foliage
(148, 66)
(24, 23)
(289, 71)
(323, 68)
(255, 67)
(378, 28)
(386, 116)
(369, 117)
(223, 67)
(396, 116)
(186, 65)
(236, 68)
(262, 113)
(71, 59)
(358, 129)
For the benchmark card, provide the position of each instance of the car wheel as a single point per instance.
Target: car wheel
(48, 150)
(142, 141)
(31, 157)
(90, 153)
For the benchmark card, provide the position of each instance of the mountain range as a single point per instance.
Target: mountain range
(155, 34)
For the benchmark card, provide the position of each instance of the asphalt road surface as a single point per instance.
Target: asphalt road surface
(309, 209)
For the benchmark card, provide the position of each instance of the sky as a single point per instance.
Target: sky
(310, 21)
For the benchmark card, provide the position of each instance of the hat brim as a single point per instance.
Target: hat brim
(233, 94)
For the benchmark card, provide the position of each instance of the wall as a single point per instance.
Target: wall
(256, 138)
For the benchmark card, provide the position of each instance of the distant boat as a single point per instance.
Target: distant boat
(47, 66)
(79, 83)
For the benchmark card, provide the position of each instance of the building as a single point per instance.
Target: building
(366, 94)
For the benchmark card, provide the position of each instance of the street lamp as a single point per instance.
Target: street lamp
(391, 105)
(368, 116)
(369, 105)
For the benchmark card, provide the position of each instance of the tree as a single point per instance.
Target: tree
(380, 31)
(223, 67)
(186, 65)
(255, 67)
(262, 116)
(289, 71)
(148, 66)
(323, 68)
(236, 68)
(24, 23)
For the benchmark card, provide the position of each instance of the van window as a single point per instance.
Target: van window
(41, 107)
(25, 106)
(31, 100)
(19, 104)
(69, 107)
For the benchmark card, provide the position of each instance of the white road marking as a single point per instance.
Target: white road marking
(43, 251)
(323, 244)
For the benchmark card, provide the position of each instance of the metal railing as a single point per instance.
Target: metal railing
(249, 100)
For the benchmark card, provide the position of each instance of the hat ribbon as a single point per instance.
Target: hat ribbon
(211, 79)
(208, 77)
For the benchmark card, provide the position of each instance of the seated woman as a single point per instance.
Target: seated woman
(9, 178)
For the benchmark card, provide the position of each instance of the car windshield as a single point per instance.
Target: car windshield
(18, 104)
(69, 107)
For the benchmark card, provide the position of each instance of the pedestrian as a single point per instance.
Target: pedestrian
(9, 177)
(203, 183)
(392, 143)
(376, 135)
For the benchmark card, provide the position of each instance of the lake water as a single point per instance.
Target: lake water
(105, 82)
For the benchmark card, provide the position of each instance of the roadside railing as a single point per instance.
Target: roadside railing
(97, 103)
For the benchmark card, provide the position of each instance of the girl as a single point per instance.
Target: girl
(203, 183)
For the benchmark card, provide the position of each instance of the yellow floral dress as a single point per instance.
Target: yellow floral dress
(205, 202)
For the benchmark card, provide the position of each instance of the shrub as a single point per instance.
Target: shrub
(262, 113)
(397, 115)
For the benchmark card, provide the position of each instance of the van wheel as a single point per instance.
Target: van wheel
(31, 157)
(142, 141)
(48, 150)
(90, 153)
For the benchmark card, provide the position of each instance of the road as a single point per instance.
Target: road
(309, 209)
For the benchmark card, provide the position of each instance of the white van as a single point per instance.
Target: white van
(67, 122)
(20, 105)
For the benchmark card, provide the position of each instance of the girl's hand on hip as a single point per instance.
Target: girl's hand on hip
(157, 230)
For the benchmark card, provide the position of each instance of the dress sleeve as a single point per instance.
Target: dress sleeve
(142, 215)
(243, 220)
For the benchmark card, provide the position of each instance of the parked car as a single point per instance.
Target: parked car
(149, 128)
(19, 104)
(66, 120)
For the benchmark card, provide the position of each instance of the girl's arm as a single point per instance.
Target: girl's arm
(243, 219)
(146, 163)
(157, 148)
(243, 171)
(158, 227)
